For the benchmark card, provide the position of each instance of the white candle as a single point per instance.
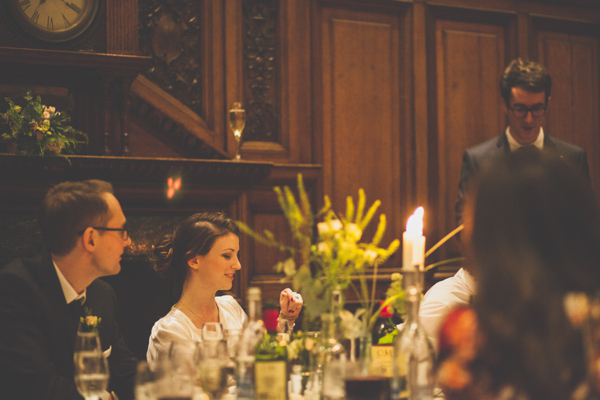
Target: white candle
(413, 242)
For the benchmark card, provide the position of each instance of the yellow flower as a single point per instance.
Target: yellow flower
(91, 320)
(18, 108)
(370, 255)
(353, 231)
(324, 248)
(329, 227)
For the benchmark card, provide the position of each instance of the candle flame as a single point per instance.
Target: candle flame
(414, 225)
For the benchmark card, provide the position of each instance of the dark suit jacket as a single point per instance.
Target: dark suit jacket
(37, 334)
(475, 157)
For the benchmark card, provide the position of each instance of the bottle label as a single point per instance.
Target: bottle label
(382, 357)
(270, 380)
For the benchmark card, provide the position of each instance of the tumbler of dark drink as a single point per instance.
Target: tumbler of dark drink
(367, 387)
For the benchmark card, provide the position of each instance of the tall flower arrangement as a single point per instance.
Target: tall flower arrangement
(37, 129)
(335, 254)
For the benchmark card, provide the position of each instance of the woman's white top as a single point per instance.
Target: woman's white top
(176, 326)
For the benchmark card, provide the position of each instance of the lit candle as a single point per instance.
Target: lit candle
(413, 242)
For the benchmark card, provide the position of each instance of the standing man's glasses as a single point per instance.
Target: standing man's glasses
(124, 234)
(521, 111)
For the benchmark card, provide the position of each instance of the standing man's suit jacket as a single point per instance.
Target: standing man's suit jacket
(37, 334)
(476, 157)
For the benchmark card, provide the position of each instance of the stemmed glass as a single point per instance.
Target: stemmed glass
(237, 122)
(175, 374)
(91, 368)
(213, 374)
(145, 382)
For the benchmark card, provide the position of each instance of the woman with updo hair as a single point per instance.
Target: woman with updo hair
(200, 258)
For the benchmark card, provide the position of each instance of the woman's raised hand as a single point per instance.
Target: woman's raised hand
(290, 303)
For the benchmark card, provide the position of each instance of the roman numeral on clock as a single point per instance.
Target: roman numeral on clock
(24, 4)
(35, 16)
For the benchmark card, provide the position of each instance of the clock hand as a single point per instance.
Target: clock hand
(71, 6)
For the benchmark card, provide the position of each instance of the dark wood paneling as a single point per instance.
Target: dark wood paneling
(262, 211)
(121, 33)
(363, 120)
(572, 60)
(469, 59)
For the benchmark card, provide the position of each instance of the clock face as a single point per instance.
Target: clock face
(54, 20)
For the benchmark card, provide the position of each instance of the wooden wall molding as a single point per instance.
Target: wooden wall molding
(141, 181)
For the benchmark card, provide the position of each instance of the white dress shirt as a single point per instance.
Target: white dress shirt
(442, 298)
(513, 144)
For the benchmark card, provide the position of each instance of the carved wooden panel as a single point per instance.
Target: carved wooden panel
(363, 120)
(573, 110)
(172, 34)
(268, 54)
(261, 68)
(469, 59)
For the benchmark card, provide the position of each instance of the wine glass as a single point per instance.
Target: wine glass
(91, 367)
(237, 122)
(175, 373)
(213, 373)
(145, 382)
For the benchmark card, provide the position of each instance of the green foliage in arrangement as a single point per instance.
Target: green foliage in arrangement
(328, 250)
(36, 129)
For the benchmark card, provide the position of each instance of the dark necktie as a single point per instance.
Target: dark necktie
(75, 312)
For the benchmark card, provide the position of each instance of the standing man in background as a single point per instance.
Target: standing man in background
(525, 87)
(41, 300)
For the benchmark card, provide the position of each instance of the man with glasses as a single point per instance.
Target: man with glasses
(42, 300)
(525, 88)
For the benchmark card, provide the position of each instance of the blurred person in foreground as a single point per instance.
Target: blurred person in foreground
(41, 299)
(536, 239)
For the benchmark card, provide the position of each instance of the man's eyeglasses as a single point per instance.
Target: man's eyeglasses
(520, 111)
(124, 234)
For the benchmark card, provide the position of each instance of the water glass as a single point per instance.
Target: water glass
(91, 368)
(145, 382)
(213, 366)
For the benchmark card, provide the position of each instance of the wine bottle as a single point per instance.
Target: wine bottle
(383, 335)
(251, 336)
(270, 367)
(333, 356)
(413, 375)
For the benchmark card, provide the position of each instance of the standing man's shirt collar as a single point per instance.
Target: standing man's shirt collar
(513, 144)
(70, 293)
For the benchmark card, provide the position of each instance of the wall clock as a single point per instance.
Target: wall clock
(53, 20)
